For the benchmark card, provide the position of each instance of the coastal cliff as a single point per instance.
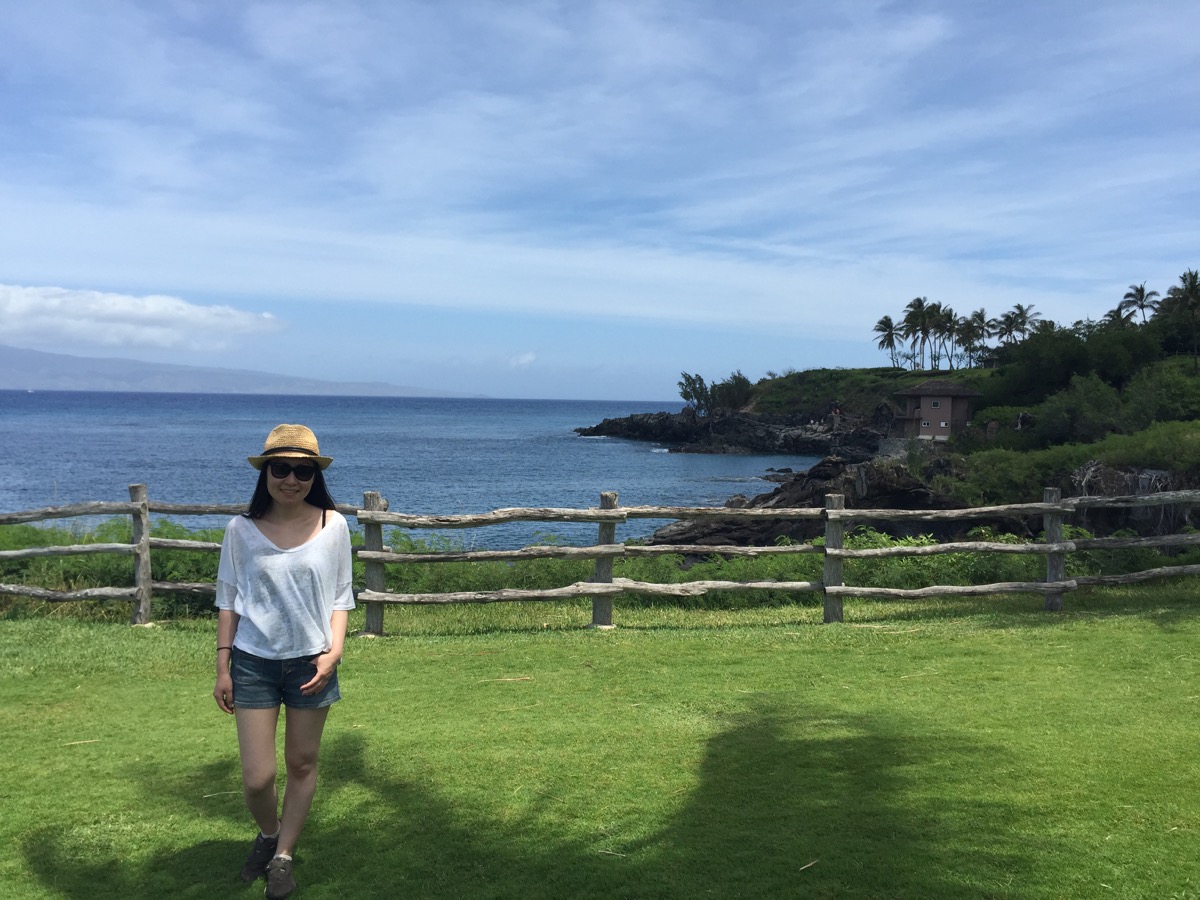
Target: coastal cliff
(685, 432)
(873, 473)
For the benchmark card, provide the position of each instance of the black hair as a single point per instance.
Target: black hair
(318, 495)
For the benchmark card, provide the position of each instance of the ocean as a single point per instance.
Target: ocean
(424, 455)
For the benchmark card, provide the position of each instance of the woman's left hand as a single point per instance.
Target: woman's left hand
(326, 664)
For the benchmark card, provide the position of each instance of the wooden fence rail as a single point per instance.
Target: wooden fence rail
(603, 586)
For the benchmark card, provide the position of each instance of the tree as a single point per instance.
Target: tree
(890, 334)
(1160, 394)
(943, 322)
(1008, 327)
(1085, 412)
(916, 326)
(1033, 369)
(1184, 300)
(695, 392)
(973, 332)
(1139, 299)
(1118, 350)
(933, 323)
(1024, 318)
(1119, 317)
(1043, 326)
(731, 394)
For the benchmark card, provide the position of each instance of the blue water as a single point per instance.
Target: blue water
(431, 456)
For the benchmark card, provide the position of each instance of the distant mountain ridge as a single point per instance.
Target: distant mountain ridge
(34, 370)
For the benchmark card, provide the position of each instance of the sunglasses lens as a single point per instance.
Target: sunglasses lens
(282, 470)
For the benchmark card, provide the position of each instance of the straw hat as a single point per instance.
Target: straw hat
(291, 442)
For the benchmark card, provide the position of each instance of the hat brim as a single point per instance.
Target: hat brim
(321, 462)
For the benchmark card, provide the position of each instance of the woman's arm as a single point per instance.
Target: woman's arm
(337, 624)
(227, 623)
(343, 596)
(327, 662)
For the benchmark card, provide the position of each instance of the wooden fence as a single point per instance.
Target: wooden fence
(602, 587)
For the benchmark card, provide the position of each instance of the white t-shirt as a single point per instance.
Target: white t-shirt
(284, 597)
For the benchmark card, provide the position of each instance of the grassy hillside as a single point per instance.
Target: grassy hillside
(857, 391)
(1146, 419)
(1001, 475)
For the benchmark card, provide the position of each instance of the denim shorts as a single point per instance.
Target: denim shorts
(266, 683)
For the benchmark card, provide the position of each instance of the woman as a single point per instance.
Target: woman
(283, 596)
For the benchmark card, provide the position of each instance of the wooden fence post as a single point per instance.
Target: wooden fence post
(1052, 524)
(375, 575)
(832, 570)
(143, 576)
(602, 606)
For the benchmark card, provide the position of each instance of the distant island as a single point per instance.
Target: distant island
(34, 370)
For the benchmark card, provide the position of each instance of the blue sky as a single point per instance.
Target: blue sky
(579, 199)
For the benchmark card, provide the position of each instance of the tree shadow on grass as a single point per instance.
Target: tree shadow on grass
(107, 857)
(788, 802)
(1027, 610)
(82, 869)
(829, 806)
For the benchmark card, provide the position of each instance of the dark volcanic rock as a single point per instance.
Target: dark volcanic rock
(876, 484)
(686, 432)
(1095, 479)
(663, 427)
(888, 484)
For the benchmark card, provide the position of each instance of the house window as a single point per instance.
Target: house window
(924, 423)
(943, 424)
(935, 404)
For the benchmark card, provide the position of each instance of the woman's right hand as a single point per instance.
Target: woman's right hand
(223, 692)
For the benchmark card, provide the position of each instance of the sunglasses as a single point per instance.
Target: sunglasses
(281, 470)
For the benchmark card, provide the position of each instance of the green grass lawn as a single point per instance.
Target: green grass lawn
(956, 748)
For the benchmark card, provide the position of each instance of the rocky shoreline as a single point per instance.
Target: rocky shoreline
(852, 465)
(889, 484)
(744, 433)
(873, 484)
(848, 466)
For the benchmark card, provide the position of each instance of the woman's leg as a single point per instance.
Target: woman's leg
(256, 743)
(301, 744)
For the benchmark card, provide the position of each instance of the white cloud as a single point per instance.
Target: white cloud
(792, 169)
(56, 316)
(524, 361)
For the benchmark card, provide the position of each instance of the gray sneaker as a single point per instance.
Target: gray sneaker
(280, 882)
(261, 853)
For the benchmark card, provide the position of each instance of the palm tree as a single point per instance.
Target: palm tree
(933, 319)
(890, 334)
(942, 322)
(1138, 298)
(1119, 316)
(1185, 297)
(989, 326)
(916, 325)
(973, 330)
(1008, 327)
(1024, 319)
(948, 325)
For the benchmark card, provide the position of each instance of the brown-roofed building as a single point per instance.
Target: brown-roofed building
(935, 410)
